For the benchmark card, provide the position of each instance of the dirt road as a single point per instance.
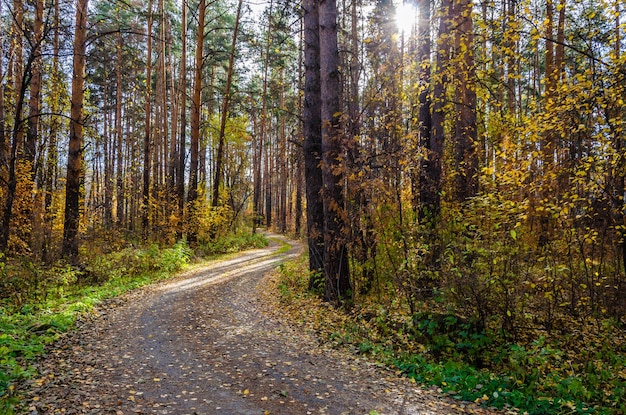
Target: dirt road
(202, 344)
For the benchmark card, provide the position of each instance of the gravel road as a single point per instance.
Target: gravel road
(202, 343)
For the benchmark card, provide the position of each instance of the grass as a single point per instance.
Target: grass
(29, 323)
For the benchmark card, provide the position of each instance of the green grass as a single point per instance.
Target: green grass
(284, 246)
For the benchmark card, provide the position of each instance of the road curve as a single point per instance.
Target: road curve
(202, 344)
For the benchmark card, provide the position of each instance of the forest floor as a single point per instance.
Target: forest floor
(206, 343)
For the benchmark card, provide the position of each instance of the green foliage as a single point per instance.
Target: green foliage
(531, 382)
(580, 372)
(52, 298)
(291, 281)
(231, 243)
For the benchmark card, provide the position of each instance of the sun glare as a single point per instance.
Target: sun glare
(406, 17)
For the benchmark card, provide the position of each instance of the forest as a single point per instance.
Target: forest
(456, 169)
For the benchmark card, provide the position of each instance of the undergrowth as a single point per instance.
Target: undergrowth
(38, 304)
(577, 373)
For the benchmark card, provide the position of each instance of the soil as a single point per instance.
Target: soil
(205, 343)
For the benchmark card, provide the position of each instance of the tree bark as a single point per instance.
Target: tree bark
(35, 88)
(147, 138)
(430, 183)
(338, 289)
(424, 197)
(466, 157)
(75, 148)
(312, 112)
(192, 194)
(182, 145)
(120, 199)
(51, 170)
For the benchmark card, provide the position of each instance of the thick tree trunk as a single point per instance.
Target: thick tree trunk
(466, 156)
(424, 198)
(182, 145)
(338, 289)
(75, 149)
(430, 183)
(549, 142)
(312, 112)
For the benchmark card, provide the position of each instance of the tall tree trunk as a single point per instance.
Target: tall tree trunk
(160, 190)
(257, 177)
(192, 195)
(35, 88)
(51, 170)
(107, 151)
(338, 289)
(182, 145)
(265, 142)
(466, 156)
(120, 199)
(75, 149)
(312, 112)
(430, 186)
(424, 196)
(268, 178)
(32, 133)
(282, 161)
(225, 108)
(299, 151)
(147, 138)
(549, 143)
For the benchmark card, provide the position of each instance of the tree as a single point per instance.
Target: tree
(430, 180)
(466, 156)
(75, 147)
(147, 138)
(424, 197)
(225, 109)
(182, 145)
(338, 289)
(196, 103)
(312, 112)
